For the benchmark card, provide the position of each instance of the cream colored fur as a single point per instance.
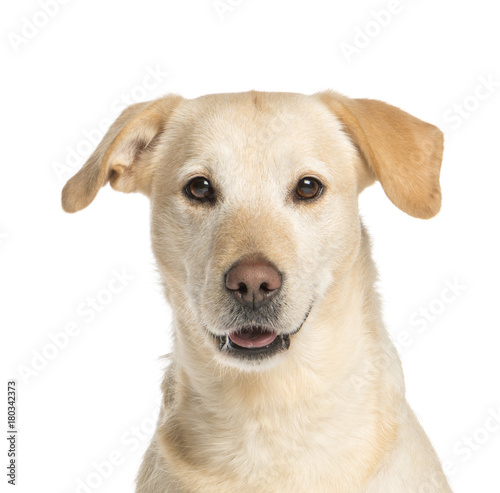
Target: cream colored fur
(329, 414)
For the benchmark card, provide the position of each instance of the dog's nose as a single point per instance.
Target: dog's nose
(253, 282)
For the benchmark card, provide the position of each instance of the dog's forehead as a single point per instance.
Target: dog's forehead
(251, 133)
(260, 119)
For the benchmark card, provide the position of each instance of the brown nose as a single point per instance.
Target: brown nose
(253, 282)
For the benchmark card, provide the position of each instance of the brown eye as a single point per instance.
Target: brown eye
(200, 189)
(308, 188)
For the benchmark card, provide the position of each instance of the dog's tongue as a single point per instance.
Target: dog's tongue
(250, 338)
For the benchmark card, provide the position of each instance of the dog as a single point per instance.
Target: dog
(282, 376)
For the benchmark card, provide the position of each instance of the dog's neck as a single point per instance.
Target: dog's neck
(335, 379)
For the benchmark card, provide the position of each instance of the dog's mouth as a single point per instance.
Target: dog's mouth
(255, 341)
(252, 337)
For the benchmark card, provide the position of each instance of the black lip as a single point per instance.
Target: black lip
(281, 343)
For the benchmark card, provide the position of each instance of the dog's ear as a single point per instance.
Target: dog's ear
(119, 158)
(403, 152)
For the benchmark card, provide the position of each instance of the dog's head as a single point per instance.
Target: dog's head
(254, 202)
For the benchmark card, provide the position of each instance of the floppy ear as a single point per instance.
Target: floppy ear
(119, 158)
(402, 151)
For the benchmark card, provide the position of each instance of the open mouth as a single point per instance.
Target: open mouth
(252, 337)
(255, 341)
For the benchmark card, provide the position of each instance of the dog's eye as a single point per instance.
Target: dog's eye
(308, 188)
(200, 189)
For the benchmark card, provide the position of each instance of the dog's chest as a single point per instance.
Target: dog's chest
(289, 450)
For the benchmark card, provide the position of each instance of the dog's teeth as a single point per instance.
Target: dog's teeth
(223, 342)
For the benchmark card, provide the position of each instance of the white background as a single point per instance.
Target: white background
(95, 399)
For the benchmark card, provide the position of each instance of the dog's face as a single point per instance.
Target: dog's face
(254, 215)
(254, 203)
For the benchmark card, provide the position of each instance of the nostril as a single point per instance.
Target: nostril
(265, 287)
(242, 288)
